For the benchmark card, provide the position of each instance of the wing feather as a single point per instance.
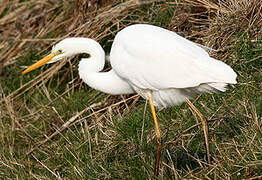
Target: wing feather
(151, 57)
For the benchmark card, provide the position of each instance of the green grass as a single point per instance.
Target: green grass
(113, 141)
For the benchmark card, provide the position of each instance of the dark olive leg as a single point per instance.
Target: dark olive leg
(204, 126)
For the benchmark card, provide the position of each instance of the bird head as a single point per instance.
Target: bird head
(60, 51)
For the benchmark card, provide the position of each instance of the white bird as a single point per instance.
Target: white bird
(156, 63)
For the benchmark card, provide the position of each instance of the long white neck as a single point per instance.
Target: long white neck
(89, 69)
(96, 60)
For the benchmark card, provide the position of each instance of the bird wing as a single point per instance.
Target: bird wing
(154, 58)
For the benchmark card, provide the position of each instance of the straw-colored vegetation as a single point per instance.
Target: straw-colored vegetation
(54, 126)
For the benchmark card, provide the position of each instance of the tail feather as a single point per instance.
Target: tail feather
(219, 86)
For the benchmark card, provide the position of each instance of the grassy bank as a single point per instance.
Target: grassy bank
(52, 125)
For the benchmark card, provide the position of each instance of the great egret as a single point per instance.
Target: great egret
(156, 63)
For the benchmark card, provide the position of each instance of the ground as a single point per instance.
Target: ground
(52, 125)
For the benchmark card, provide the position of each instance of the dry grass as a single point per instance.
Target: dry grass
(53, 126)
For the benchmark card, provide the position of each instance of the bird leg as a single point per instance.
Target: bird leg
(204, 126)
(158, 135)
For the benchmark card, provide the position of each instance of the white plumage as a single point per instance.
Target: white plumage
(174, 68)
(148, 58)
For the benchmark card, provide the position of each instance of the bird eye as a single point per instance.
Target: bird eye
(59, 51)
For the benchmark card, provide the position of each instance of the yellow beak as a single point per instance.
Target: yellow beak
(39, 63)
